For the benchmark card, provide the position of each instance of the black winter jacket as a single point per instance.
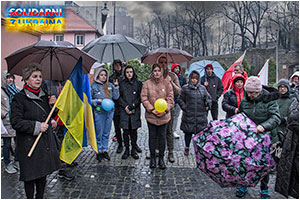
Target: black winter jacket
(215, 87)
(229, 103)
(26, 117)
(130, 95)
(193, 101)
(287, 179)
(120, 77)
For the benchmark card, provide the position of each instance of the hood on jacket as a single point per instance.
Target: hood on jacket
(284, 82)
(97, 72)
(175, 65)
(134, 74)
(294, 74)
(237, 77)
(190, 82)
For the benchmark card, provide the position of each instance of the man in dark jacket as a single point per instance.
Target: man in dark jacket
(214, 87)
(117, 76)
(130, 112)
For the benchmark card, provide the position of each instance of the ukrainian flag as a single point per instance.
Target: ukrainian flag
(72, 112)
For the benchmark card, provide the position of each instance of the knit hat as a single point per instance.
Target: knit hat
(209, 65)
(253, 84)
(285, 83)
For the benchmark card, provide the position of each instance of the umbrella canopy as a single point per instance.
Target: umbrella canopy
(111, 47)
(173, 55)
(232, 153)
(200, 67)
(57, 59)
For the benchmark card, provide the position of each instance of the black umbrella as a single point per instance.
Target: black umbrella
(57, 59)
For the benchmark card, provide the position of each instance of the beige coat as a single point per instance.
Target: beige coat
(153, 90)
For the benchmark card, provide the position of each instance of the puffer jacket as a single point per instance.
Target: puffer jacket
(215, 86)
(263, 110)
(97, 92)
(130, 95)
(193, 101)
(5, 108)
(287, 179)
(152, 90)
(230, 98)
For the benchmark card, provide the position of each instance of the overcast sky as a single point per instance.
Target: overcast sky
(140, 10)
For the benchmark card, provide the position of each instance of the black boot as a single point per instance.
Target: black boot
(99, 157)
(120, 148)
(161, 162)
(152, 162)
(138, 149)
(126, 154)
(134, 154)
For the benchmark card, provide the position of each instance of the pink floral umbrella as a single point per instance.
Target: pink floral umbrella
(232, 153)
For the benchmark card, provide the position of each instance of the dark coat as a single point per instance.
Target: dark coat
(193, 101)
(26, 117)
(215, 87)
(229, 103)
(130, 95)
(120, 77)
(263, 110)
(287, 179)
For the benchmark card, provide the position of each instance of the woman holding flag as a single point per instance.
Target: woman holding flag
(29, 110)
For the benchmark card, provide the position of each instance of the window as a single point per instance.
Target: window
(59, 37)
(79, 39)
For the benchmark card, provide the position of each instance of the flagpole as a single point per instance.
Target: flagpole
(40, 134)
(277, 46)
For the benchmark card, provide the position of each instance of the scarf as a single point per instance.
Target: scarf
(37, 91)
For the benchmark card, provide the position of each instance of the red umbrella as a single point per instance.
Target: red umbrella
(173, 55)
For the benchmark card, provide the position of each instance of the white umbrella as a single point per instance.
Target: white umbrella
(111, 47)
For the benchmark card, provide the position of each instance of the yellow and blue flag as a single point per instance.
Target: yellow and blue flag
(73, 106)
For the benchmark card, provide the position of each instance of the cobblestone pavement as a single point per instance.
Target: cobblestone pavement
(131, 178)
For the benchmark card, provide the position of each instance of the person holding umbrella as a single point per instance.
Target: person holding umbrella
(102, 89)
(173, 79)
(130, 112)
(233, 98)
(195, 102)
(30, 108)
(154, 88)
(260, 106)
(214, 87)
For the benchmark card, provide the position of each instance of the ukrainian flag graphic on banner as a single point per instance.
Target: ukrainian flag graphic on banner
(72, 112)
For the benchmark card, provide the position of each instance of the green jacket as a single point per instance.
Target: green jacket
(263, 110)
(284, 104)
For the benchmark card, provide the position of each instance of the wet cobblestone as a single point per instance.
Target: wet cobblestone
(124, 179)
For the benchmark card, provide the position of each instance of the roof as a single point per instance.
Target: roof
(76, 23)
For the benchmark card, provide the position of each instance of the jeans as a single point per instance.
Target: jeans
(7, 148)
(103, 124)
(157, 138)
(177, 110)
(118, 132)
(39, 183)
(170, 136)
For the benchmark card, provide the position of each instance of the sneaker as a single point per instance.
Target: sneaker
(10, 169)
(106, 156)
(171, 157)
(65, 174)
(114, 139)
(176, 136)
(240, 192)
(264, 194)
(16, 165)
(186, 151)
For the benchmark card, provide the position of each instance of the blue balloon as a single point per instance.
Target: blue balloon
(107, 104)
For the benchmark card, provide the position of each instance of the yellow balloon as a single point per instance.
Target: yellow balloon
(160, 105)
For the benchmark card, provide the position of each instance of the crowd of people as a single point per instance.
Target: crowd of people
(23, 114)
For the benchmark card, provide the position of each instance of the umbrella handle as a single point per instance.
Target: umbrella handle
(40, 134)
